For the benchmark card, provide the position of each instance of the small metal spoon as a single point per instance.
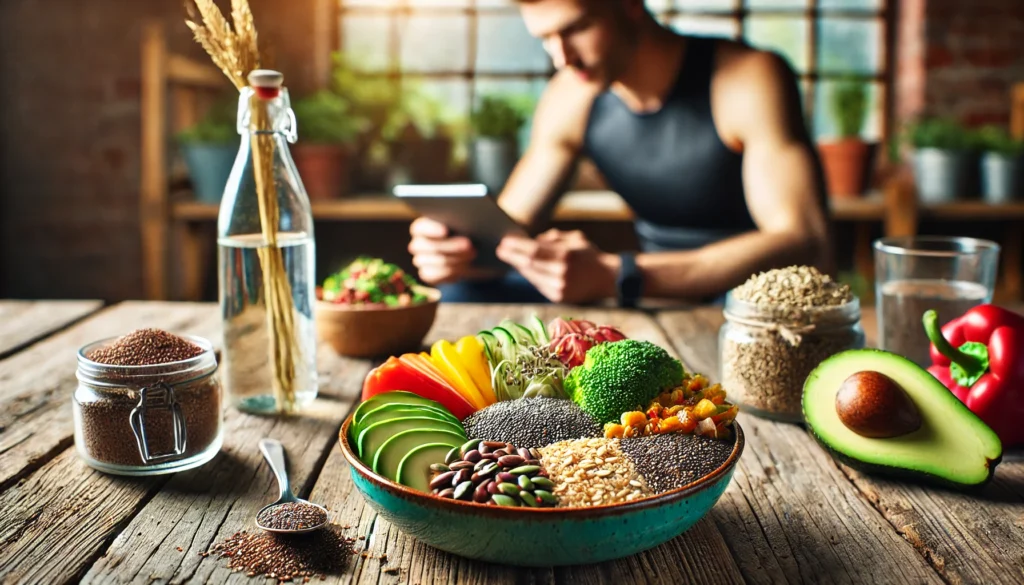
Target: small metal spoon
(273, 452)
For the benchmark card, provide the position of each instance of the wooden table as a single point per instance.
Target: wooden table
(790, 515)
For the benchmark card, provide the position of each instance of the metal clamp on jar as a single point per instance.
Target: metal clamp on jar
(147, 419)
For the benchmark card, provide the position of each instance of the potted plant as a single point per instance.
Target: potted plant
(1002, 165)
(496, 123)
(327, 132)
(209, 149)
(420, 135)
(847, 159)
(943, 155)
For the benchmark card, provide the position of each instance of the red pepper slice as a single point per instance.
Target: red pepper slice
(397, 374)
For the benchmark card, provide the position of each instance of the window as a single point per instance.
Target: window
(487, 49)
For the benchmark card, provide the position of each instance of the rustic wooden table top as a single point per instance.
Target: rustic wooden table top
(790, 514)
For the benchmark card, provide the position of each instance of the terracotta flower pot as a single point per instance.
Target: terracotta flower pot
(846, 162)
(324, 169)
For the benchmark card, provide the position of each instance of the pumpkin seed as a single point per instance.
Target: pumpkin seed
(468, 446)
(525, 483)
(452, 456)
(546, 496)
(509, 489)
(543, 482)
(502, 500)
(463, 489)
(529, 499)
(439, 467)
(525, 469)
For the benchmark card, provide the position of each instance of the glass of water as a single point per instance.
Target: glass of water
(917, 273)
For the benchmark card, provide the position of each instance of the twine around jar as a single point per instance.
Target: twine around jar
(793, 334)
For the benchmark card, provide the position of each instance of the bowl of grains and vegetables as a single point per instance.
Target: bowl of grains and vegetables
(564, 489)
(372, 308)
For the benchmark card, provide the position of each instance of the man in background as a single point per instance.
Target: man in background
(703, 138)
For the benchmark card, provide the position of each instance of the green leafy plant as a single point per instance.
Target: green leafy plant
(218, 126)
(327, 118)
(850, 106)
(500, 116)
(997, 140)
(941, 133)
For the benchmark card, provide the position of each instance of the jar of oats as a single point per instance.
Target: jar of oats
(779, 325)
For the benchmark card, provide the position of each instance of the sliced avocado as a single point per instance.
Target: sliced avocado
(414, 469)
(391, 453)
(398, 410)
(392, 397)
(950, 445)
(372, 437)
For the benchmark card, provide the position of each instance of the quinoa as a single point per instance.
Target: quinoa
(146, 347)
(287, 557)
(592, 472)
(531, 422)
(672, 460)
(803, 287)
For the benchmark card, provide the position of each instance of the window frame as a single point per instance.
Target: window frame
(809, 79)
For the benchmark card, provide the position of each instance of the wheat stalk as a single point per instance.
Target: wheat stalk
(236, 53)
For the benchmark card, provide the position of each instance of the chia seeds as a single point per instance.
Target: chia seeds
(531, 422)
(291, 516)
(287, 557)
(672, 460)
(146, 347)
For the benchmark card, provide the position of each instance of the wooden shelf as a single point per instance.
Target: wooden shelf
(575, 206)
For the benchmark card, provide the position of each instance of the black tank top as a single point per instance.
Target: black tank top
(683, 184)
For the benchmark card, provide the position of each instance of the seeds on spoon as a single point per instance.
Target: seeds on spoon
(291, 516)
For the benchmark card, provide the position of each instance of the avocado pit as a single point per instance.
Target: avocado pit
(873, 405)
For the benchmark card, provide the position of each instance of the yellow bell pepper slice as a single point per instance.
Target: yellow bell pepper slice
(471, 353)
(442, 354)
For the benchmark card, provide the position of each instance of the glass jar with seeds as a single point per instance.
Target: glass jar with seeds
(779, 326)
(147, 403)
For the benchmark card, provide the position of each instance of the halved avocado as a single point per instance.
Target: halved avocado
(414, 469)
(372, 437)
(952, 446)
(398, 410)
(392, 397)
(391, 453)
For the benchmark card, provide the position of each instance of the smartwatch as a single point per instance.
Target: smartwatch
(630, 282)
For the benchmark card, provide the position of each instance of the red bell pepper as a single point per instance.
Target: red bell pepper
(396, 374)
(980, 358)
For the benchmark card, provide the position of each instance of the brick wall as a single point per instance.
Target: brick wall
(69, 135)
(959, 59)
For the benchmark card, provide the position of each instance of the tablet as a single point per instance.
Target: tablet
(468, 210)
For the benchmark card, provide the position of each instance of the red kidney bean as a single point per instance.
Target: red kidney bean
(510, 461)
(442, 480)
(481, 495)
(461, 476)
(472, 456)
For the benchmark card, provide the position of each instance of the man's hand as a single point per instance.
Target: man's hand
(564, 266)
(439, 257)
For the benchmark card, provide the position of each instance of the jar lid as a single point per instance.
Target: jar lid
(266, 78)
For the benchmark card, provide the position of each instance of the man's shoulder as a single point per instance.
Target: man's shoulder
(564, 107)
(737, 62)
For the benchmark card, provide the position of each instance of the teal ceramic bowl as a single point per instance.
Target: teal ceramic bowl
(541, 536)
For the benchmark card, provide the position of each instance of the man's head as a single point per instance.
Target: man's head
(595, 38)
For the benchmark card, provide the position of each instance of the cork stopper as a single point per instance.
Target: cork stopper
(266, 78)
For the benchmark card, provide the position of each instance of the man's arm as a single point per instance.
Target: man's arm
(781, 180)
(559, 123)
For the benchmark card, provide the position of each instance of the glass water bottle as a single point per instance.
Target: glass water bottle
(269, 356)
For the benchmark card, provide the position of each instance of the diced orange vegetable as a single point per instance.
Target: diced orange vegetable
(613, 431)
(704, 409)
(634, 419)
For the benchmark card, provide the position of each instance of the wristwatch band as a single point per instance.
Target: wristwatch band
(630, 281)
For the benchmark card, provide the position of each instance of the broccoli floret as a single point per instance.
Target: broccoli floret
(620, 376)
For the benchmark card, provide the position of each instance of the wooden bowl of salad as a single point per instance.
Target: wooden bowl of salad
(373, 308)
